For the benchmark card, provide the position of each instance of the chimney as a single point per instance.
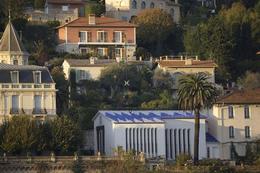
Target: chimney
(181, 57)
(176, 2)
(92, 60)
(166, 58)
(188, 62)
(140, 58)
(197, 57)
(91, 19)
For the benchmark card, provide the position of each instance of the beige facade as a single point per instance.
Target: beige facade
(127, 9)
(180, 66)
(236, 122)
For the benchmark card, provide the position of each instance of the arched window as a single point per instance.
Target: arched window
(143, 5)
(134, 4)
(152, 5)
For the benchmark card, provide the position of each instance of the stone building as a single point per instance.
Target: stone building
(24, 89)
(127, 9)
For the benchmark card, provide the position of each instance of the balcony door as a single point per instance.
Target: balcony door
(15, 103)
(37, 103)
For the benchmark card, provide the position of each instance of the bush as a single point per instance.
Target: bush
(182, 159)
(21, 135)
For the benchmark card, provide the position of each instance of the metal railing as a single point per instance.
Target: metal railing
(37, 112)
(27, 86)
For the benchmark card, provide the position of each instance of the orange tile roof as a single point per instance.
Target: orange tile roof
(100, 22)
(181, 63)
(249, 96)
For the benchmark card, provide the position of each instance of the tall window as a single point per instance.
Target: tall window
(246, 112)
(37, 103)
(152, 5)
(230, 112)
(231, 132)
(101, 52)
(15, 103)
(15, 76)
(37, 77)
(117, 36)
(15, 62)
(247, 132)
(102, 36)
(65, 8)
(118, 52)
(84, 36)
(134, 4)
(143, 5)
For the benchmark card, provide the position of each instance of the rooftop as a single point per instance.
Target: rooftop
(65, 1)
(99, 22)
(88, 63)
(249, 96)
(210, 138)
(25, 73)
(187, 63)
(145, 116)
(10, 40)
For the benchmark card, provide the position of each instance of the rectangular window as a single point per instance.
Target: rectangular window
(15, 76)
(101, 51)
(230, 112)
(37, 77)
(65, 8)
(37, 103)
(83, 36)
(84, 51)
(118, 52)
(247, 132)
(102, 36)
(231, 132)
(246, 112)
(208, 152)
(15, 103)
(117, 37)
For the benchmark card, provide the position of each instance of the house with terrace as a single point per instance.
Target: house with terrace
(101, 37)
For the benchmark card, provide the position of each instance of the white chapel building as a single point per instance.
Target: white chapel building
(155, 133)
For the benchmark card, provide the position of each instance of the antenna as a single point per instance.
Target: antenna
(9, 14)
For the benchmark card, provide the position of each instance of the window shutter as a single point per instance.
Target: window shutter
(89, 36)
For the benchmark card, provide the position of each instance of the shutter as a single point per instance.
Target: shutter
(114, 37)
(89, 36)
(123, 37)
(106, 51)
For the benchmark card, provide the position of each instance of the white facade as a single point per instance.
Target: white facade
(155, 133)
(127, 9)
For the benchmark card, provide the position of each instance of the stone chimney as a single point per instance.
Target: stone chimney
(197, 57)
(188, 62)
(91, 19)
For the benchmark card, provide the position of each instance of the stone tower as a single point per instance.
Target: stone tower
(12, 50)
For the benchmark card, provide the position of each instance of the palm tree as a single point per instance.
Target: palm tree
(195, 93)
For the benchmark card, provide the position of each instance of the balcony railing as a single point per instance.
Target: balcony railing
(27, 86)
(17, 111)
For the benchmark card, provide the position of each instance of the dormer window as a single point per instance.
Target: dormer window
(37, 77)
(15, 76)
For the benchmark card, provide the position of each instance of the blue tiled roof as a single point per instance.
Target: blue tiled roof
(146, 116)
(210, 138)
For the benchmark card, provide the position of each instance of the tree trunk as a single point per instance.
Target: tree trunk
(196, 136)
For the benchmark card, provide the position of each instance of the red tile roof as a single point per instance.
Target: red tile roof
(181, 63)
(100, 22)
(65, 2)
(250, 96)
